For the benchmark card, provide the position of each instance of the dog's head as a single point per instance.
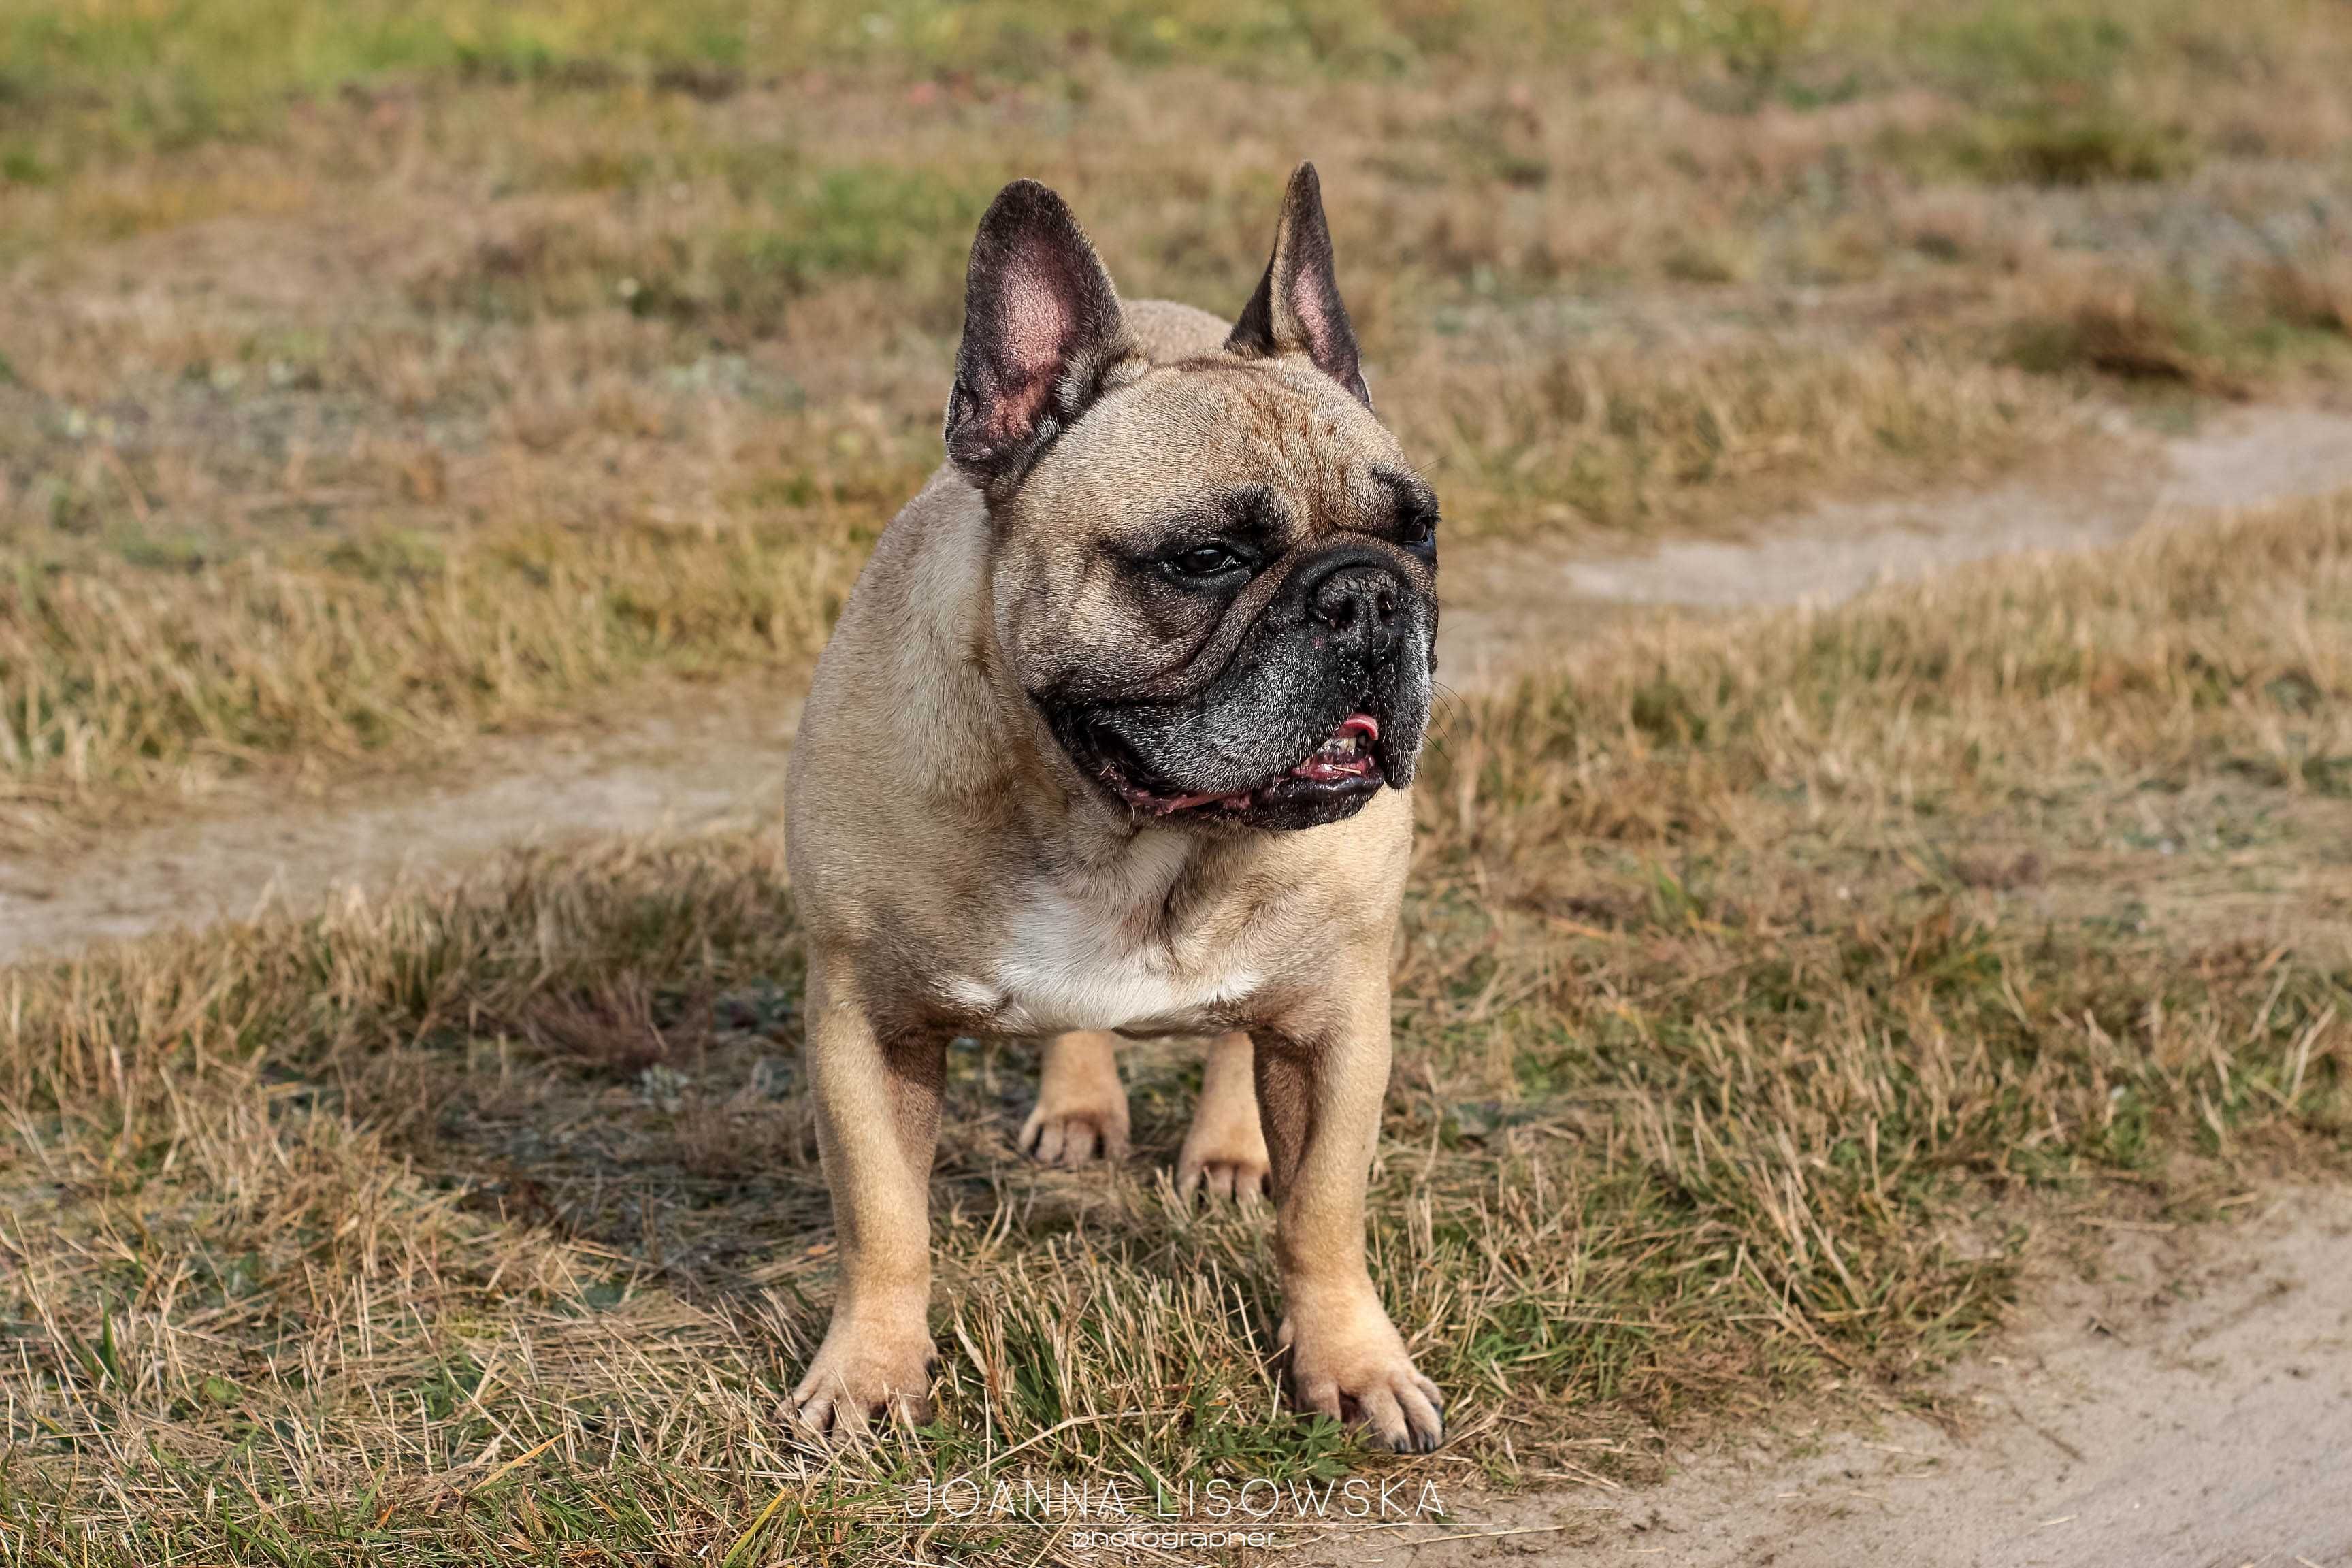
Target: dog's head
(1216, 577)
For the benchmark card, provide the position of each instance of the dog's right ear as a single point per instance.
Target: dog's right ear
(1298, 307)
(1043, 335)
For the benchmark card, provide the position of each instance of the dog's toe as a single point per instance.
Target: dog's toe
(1424, 1413)
(1224, 1153)
(1073, 1139)
(1364, 1377)
(1395, 1413)
(836, 1414)
(1242, 1180)
(828, 1413)
(858, 1379)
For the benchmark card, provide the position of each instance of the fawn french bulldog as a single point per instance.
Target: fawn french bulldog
(1114, 737)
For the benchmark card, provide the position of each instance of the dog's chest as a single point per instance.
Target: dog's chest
(1102, 951)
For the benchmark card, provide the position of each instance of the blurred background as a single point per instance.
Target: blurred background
(372, 373)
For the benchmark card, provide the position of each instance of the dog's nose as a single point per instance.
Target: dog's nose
(1359, 604)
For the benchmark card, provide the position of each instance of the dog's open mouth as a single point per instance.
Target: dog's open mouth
(1344, 761)
(1348, 755)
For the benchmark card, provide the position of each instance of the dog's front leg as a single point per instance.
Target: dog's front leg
(1321, 1083)
(878, 1117)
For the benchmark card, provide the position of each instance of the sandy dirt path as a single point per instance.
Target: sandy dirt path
(1500, 603)
(705, 762)
(2178, 1398)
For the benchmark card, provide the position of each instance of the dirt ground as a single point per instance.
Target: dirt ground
(2183, 1397)
(700, 762)
(2175, 1399)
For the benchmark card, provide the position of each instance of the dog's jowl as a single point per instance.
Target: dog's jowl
(1115, 737)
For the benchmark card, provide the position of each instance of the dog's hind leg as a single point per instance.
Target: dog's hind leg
(1081, 1105)
(877, 1119)
(1224, 1152)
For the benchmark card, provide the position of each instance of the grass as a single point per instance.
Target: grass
(2107, 323)
(1613, 439)
(207, 69)
(387, 644)
(1764, 986)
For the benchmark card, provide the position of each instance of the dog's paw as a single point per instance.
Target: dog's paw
(1356, 1370)
(863, 1374)
(1224, 1148)
(1227, 1161)
(1074, 1135)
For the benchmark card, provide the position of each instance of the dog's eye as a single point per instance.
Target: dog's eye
(1416, 529)
(1206, 561)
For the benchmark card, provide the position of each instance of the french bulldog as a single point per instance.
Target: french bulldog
(1115, 737)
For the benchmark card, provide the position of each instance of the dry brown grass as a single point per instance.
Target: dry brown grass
(1740, 1051)
(145, 683)
(1608, 439)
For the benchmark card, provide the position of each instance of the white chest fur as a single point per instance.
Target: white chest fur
(1094, 950)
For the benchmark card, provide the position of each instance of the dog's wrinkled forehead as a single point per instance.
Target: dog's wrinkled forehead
(1191, 437)
(1272, 459)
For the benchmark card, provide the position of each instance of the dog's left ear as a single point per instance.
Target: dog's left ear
(1043, 335)
(1298, 307)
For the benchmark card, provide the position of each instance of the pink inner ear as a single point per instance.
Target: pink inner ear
(1036, 337)
(1306, 302)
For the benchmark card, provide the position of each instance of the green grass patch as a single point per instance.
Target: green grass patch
(175, 73)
